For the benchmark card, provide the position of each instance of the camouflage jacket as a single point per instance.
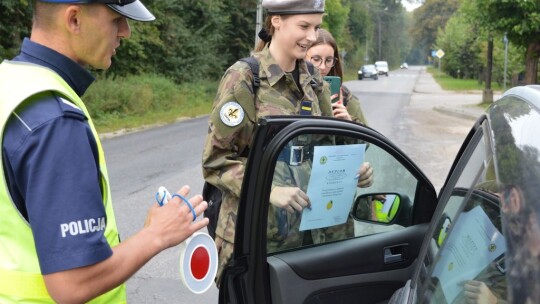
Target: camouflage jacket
(353, 106)
(234, 118)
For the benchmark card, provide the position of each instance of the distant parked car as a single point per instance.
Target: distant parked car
(368, 71)
(404, 66)
(382, 67)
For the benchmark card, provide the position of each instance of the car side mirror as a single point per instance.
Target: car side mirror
(385, 208)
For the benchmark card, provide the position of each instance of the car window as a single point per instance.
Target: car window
(325, 168)
(466, 246)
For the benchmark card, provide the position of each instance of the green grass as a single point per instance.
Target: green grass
(350, 74)
(135, 101)
(452, 84)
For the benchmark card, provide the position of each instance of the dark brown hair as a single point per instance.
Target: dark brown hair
(323, 38)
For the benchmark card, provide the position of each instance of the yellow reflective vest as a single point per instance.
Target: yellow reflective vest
(386, 217)
(20, 276)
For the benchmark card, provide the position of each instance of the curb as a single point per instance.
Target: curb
(457, 112)
(126, 131)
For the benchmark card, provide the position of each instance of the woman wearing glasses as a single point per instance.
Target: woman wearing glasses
(324, 54)
(285, 89)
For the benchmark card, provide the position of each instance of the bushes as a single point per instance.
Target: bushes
(125, 102)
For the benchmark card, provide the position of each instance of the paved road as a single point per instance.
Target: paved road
(399, 106)
(138, 164)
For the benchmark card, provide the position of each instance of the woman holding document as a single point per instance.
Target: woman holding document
(286, 85)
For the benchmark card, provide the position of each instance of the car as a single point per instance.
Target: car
(368, 71)
(424, 247)
(404, 66)
(382, 67)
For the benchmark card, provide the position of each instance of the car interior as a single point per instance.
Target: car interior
(362, 257)
(372, 238)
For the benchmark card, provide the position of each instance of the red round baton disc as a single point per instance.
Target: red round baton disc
(198, 262)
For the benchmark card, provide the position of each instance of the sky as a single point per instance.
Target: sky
(408, 6)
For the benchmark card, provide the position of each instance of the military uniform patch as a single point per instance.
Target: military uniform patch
(231, 114)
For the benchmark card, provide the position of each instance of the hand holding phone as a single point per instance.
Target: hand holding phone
(335, 86)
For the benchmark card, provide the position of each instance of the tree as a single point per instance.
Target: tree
(359, 34)
(462, 48)
(16, 16)
(521, 21)
(395, 36)
(336, 19)
(195, 40)
(189, 40)
(370, 22)
(428, 19)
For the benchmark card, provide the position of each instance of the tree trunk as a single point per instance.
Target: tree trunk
(531, 63)
(487, 96)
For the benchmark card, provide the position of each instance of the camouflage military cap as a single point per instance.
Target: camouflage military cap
(293, 7)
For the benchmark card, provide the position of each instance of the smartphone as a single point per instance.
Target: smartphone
(335, 86)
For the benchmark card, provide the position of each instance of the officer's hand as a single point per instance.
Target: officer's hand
(477, 292)
(366, 175)
(339, 110)
(289, 198)
(173, 222)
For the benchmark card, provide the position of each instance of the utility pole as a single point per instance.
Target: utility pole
(258, 23)
(505, 39)
(366, 56)
(379, 19)
(379, 24)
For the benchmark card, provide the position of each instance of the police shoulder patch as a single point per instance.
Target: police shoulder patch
(231, 113)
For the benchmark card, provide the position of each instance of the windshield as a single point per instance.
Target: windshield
(467, 246)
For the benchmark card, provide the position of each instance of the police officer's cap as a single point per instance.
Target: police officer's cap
(132, 9)
(293, 7)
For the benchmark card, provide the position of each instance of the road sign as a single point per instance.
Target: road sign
(198, 262)
(433, 53)
(440, 53)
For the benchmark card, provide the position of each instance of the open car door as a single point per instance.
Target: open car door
(355, 244)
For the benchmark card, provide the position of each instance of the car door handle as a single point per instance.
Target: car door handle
(394, 254)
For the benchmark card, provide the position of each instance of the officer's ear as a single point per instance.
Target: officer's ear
(72, 18)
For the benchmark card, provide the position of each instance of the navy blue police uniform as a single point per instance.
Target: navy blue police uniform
(51, 164)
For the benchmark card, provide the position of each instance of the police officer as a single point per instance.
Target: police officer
(382, 216)
(58, 235)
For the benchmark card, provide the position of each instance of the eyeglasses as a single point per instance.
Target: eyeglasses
(328, 61)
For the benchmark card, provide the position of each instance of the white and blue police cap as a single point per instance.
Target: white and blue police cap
(293, 7)
(132, 9)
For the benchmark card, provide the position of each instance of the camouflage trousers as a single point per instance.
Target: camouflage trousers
(225, 251)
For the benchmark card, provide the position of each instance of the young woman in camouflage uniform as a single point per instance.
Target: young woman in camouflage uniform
(285, 89)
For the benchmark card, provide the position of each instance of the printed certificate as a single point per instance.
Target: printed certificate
(332, 185)
(473, 243)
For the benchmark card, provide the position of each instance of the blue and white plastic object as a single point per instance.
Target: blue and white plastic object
(163, 196)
